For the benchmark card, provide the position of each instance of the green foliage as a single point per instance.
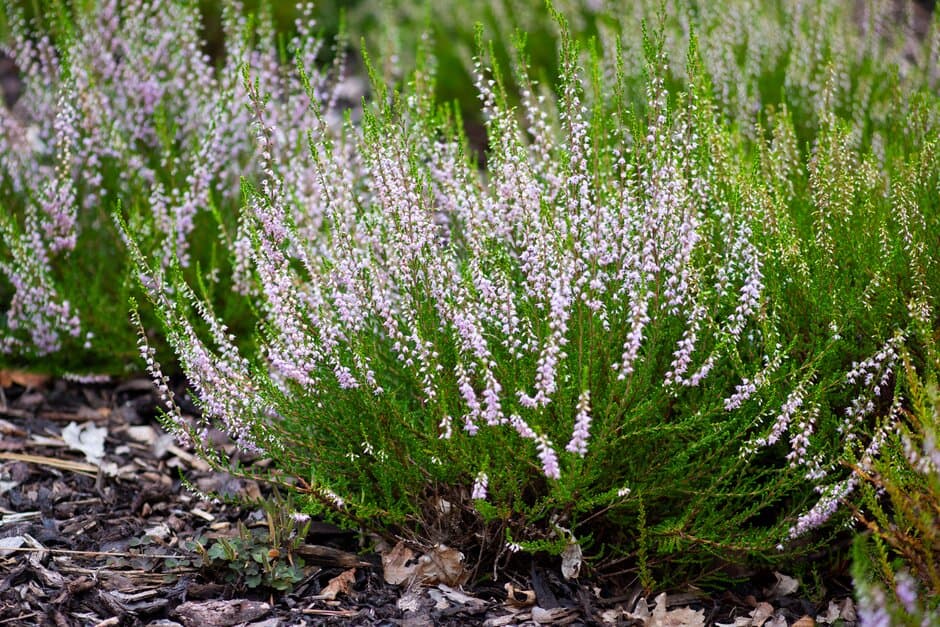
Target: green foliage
(672, 299)
(262, 557)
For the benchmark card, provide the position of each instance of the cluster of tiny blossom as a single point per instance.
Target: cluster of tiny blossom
(873, 375)
(873, 608)
(129, 106)
(480, 485)
(744, 390)
(782, 421)
(582, 425)
(548, 458)
(833, 494)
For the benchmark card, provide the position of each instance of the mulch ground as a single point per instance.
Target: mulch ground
(100, 541)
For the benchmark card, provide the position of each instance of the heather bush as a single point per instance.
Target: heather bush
(641, 327)
(672, 320)
(757, 53)
(895, 565)
(121, 106)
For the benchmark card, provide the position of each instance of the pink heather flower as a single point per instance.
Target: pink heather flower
(742, 392)
(561, 297)
(37, 316)
(582, 425)
(479, 486)
(787, 411)
(824, 509)
(747, 387)
(548, 458)
(906, 591)
(334, 498)
(521, 427)
(834, 493)
(631, 347)
(873, 608)
(750, 292)
(682, 356)
(800, 440)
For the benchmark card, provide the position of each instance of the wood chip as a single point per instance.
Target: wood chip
(202, 514)
(220, 613)
(328, 556)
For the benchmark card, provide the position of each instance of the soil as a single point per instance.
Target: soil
(88, 540)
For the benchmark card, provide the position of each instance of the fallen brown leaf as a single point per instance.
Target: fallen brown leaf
(340, 584)
(785, 586)
(399, 564)
(9, 378)
(679, 617)
(441, 564)
(516, 597)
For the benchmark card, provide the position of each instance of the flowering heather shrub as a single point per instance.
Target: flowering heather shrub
(756, 52)
(896, 569)
(639, 329)
(122, 106)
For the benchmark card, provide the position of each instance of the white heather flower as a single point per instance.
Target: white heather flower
(447, 428)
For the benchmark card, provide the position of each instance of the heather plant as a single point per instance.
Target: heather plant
(121, 106)
(756, 53)
(640, 327)
(895, 566)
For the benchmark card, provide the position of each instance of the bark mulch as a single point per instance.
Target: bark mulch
(102, 539)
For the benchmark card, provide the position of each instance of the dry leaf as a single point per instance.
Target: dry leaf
(612, 616)
(832, 614)
(679, 617)
(399, 565)
(519, 598)
(756, 618)
(785, 586)
(571, 561)
(847, 609)
(9, 378)
(458, 597)
(805, 621)
(410, 601)
(641, 611)
(502, 621)
(442, 565)
(340, 584)
(760, 614)
(87, 439)
(778, 620)
(839, 610)
(554, 616)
